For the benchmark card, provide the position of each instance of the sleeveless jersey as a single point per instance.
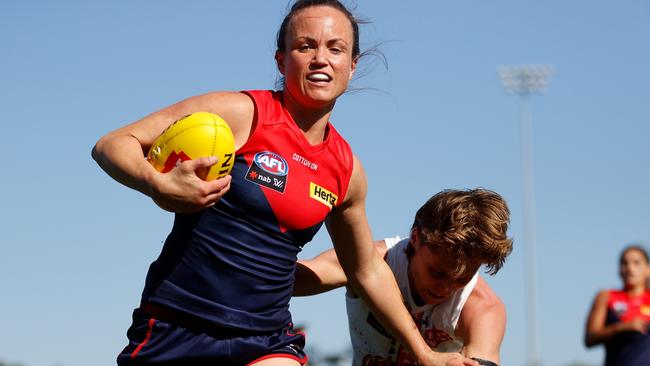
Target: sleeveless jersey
(373, 345)
(233, 264)
(628, 348)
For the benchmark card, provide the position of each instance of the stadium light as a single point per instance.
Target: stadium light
(524, 81)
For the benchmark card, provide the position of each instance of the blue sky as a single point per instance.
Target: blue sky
(75, 246)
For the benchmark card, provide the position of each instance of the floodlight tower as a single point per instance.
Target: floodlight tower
(525, 81)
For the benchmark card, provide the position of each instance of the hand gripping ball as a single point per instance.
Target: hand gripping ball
(195, 136)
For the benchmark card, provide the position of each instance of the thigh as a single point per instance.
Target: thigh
(276, 361)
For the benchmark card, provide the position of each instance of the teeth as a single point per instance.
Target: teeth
(319, 77)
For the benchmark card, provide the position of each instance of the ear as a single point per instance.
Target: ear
(414, 238)
(353, 67)
(279, 60)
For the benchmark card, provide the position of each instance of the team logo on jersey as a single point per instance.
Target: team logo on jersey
(619, 307)
(269, 170)
(322, 195)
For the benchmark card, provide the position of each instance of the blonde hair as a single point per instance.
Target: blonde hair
(471, 225)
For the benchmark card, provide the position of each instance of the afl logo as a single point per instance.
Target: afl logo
(271, 163)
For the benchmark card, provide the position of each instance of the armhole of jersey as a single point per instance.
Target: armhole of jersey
(610, 298)
(255, 96)
(345, 183)
(463, 296)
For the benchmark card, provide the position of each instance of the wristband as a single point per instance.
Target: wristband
(484, 362)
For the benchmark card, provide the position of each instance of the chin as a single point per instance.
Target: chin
(434, 300)
(321, 94)
(324, 93)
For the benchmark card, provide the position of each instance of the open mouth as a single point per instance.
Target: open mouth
(319, 77)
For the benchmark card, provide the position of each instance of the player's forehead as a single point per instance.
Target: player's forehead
(450, 264)
(633, 255)
(321, 21)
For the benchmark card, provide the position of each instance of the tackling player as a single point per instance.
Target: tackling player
(453, 235)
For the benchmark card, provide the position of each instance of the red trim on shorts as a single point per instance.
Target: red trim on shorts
(296, 333)
(302, 361)
(152, 321)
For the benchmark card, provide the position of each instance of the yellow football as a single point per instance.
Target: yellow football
(194, 136)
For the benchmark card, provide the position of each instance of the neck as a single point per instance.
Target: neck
(311, 120)
(417, 299)
(635, 290)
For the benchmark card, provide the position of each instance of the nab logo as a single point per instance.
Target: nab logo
(271, 163)
(322, 195)
(268, 170)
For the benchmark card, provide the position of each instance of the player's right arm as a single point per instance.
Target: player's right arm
(482, 324)
(324, 272)
(121, 153)
(597, 332)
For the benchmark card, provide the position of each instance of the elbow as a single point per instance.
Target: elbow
(589, 341)
(365, 277)
(94, 153)
(98, 150)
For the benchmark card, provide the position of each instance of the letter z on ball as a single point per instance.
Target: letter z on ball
(195, 136)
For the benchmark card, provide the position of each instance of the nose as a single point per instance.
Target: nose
(443, 289)
(320, 56)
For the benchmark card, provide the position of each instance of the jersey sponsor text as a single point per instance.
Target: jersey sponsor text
(322, 195)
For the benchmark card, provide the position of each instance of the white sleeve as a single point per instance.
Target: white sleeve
(390, 242)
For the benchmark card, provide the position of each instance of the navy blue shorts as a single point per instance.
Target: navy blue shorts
(155, 339)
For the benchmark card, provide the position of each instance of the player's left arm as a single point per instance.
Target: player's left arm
(319, 274)
(323, 272)
(482, 324)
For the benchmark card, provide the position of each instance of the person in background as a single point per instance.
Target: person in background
(619, 317)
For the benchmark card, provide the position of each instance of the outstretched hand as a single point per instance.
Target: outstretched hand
(182, 190)
(449, 359)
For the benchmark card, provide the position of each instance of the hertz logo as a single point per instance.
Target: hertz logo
(322, 195)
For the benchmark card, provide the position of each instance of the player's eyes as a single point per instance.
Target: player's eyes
(437, 275)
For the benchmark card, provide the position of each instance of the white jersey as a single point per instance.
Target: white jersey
(373, 345)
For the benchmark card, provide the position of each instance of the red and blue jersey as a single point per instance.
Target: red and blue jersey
(628, 348)
(233, 264)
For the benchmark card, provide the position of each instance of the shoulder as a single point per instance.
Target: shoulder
(236, 108)
(224, 103)
(482, 323)
(605, 293)
(483, 302)
(264, 100)
(239, 109)
(603, 296)
(484, 295)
